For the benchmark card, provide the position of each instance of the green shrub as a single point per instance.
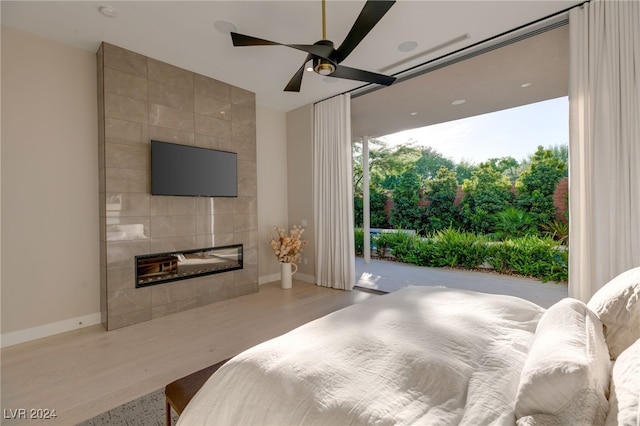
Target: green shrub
(455, 248)
(359, 241)
(424, 253)
(382, 243)
(530, 256)
(402, 245)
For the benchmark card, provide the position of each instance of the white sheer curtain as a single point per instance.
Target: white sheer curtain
(333, 193)
(604, 147)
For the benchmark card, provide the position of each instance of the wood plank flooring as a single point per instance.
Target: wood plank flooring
(86, 372)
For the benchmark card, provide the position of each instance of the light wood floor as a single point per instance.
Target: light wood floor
(85, 372)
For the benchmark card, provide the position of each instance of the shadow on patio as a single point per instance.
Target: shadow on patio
(389, 276)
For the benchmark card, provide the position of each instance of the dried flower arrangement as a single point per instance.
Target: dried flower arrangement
(287, 248)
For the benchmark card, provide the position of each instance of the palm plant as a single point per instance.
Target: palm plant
(557, 230)
(513, 222)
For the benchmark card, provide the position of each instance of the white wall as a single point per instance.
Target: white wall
(300, 182)
(271, 146)
(49, 176)
(50, 253)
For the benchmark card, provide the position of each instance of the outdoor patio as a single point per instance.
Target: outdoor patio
(390, 276)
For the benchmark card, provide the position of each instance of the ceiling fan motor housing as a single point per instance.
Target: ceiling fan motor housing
(324, 66)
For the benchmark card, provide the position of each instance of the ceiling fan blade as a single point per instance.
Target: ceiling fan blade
(322, 51)
(371, 13)
(361, 75)
(245, 40)
(296, 81)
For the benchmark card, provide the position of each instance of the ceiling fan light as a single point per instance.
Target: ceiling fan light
(323, 66)
(325, 69)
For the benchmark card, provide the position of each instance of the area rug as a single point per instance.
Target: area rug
(145, 411)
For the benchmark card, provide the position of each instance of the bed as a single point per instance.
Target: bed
(438, 356)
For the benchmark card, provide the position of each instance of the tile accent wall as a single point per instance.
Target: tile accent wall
(140, 99)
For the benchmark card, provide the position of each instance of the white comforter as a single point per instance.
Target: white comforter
(421, 355)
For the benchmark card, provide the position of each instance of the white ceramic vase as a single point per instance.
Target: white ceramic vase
(287, 270)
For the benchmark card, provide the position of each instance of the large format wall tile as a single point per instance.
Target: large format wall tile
(212, 88)
(125, 132)
(123, 60)
(125, 84)
(172, 118)
(213, 107)
(212, 126)
(172, 96)
(125, 108)
(122, 156)
(142, 99)
(170, 75)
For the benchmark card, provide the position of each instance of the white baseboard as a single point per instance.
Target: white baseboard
(276, 277)
(46, 330)
(268, 279)
(306, 278)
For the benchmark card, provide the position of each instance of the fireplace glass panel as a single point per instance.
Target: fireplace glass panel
(158, 268)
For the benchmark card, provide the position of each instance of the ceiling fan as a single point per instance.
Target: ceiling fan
(325, 57)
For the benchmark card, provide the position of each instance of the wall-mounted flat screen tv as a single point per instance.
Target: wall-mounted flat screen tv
(192, 171)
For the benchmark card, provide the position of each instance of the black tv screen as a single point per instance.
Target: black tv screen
(192, 171)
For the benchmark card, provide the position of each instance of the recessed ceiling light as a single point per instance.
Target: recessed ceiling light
(407, 46)
(458, 102)
(525, 85)
(107, 11)
(310, 68)
(225, 27)
(414, 113)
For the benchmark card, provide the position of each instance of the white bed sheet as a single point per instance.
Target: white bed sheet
(417, 356)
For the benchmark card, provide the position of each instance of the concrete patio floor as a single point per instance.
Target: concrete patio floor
(389, 276)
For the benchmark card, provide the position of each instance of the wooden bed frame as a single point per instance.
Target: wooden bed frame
(179, 393)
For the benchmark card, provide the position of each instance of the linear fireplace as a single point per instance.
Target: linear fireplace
(158, 268)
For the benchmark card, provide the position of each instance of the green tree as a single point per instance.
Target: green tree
(406, 213)
(464, 169)
(357, 210)
(386, 164)
(441, 192)
(378, 217)
(562, 153)
(537, 184)
(430, 162)
(508, 166)
(486, 193)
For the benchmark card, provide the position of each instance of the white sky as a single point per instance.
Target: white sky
(515, 132)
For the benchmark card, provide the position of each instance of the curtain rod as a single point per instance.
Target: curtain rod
(471, 54)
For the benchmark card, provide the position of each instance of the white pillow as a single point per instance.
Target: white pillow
(566, 373)
(617, 304)
(624, 402)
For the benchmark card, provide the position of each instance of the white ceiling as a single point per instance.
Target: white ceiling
(182, 33)
(489, 82)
